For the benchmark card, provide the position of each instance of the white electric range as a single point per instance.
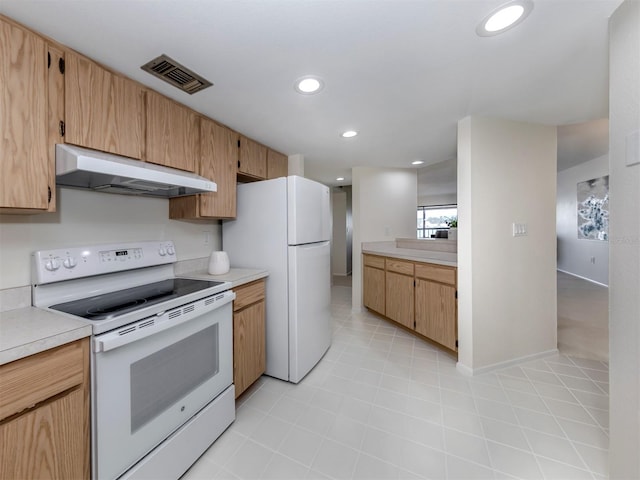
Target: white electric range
(162, 353)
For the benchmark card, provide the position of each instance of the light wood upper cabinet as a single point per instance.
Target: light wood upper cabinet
(25, 183)
(252, 164)
(277, 164)
(172, 133)
(218, 159)
(103, 110)
(44, 414)
(249, 351)
(55, 91)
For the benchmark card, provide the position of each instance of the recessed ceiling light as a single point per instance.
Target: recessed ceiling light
(504, 18)
(349, 134)
(309, 85)
(417, 162)
(339, 179)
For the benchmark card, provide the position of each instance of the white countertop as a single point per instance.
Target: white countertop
(389, 249)
(237, 276)
(30, 330)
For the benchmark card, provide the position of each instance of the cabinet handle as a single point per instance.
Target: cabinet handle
(48, 194)
(48, 59)
(61, 128)
(238, 163)
(61, 65)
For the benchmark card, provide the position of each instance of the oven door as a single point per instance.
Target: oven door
(150, 377)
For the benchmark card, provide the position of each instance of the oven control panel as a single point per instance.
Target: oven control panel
(77, 262)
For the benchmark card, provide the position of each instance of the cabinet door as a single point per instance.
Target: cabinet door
(399, 298)
(55, 91)
(172, 133)
(253, 159)
(373, 289)
(47, 442)
(249, 354)
(436, 316)
(277, 164)
(103, 111)
(24, 183)
(218, 158)
(217, 162)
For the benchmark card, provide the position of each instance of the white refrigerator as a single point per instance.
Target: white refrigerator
(283, 226)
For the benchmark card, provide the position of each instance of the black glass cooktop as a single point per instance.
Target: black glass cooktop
(114, 304)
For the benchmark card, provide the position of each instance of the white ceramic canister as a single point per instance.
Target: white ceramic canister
(218, 263)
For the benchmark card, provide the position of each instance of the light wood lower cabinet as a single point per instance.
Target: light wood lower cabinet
(399, 298)
(436, 312)
(44, 414)
(249, 352)
(419, 296)
(373, 284)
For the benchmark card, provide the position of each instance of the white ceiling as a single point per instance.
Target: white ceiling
(401, 72)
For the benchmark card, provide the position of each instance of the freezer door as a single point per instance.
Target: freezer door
(308, 211)
(309, 307)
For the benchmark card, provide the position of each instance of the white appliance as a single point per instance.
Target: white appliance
(80, 167)
(283, 226)
(161, 354)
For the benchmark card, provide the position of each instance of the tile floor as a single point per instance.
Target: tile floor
(384, 405)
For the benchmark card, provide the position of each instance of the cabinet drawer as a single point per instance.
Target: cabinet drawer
(436, 273)
(34, 379)
(373, 261)
(399, 266)
(248, 294)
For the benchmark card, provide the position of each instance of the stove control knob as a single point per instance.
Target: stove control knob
(69, 262)
(170, 250)
(162, 251)
(52, 265)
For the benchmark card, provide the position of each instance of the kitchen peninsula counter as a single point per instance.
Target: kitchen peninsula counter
(389, 249)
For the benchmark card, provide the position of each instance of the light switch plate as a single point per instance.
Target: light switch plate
(519, 229)
(632, 156)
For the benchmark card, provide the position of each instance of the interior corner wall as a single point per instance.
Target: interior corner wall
(442, 199)
(507, 285)
(575, 254)
(339, 233)
(624, 244)
(90, 218)
(384, 202)
(296, 165)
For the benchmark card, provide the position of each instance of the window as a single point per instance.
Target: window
(431, 219)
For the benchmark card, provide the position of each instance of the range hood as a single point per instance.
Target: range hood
(104, 172)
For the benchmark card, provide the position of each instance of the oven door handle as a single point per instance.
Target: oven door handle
(159, 322)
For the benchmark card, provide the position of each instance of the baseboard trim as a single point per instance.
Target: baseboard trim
(470, 372)
(583, 278)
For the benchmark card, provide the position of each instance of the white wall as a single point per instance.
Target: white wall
(85, 217)
(624, 244)
(507, 285)
(384, 207)
(437, 183)
(574, 254)
(339, 239)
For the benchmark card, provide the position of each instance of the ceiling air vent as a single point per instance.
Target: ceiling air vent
(172, 72)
